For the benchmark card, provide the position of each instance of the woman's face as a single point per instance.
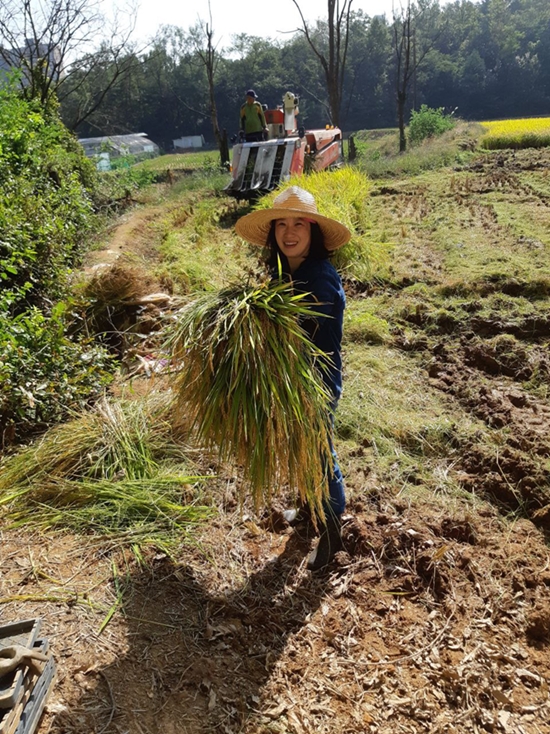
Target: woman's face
(293, 236)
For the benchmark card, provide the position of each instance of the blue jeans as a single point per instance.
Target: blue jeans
(336, 503)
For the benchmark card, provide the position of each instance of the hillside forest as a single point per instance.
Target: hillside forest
(483, 60)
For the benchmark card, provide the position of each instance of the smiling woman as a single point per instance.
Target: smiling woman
(293, 237)
(300, 242)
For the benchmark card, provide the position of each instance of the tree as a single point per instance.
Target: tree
(331, 50)
(203, 35)
(53, 45)
(408, 56)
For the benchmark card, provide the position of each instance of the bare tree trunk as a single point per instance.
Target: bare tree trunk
(407, 60)
(402, 47)
(352, 149)
(210, 61)
(208, 57)
(224, 150)
(334, 62)
(401, 101)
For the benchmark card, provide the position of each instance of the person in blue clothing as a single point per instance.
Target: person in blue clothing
(303, 240)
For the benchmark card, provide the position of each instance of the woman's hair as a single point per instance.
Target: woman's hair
(317, 249)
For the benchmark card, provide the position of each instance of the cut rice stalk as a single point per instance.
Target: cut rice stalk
(108, 508)
(116, 439)
(252, 386)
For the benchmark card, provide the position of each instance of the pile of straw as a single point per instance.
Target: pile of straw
(116, 470)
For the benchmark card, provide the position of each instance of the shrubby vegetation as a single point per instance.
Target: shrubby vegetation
(47, 189)
(45, 201)
(428, 123)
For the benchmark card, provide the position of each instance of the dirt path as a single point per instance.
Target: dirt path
(131, 235)
(431, 623)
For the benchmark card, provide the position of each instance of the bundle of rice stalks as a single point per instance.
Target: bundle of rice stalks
(118, 284)
(104, 472)
(110, 299)
(252, 389)
(147, 510)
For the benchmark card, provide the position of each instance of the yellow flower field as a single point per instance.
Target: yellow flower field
(528, 132)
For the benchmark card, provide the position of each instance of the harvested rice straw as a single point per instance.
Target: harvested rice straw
(252, 387)
(114, 471)
(117, 437)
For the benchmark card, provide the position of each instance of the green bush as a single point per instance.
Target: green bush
(428, 122)
(47, 190)
(45, 201)
(44, 374)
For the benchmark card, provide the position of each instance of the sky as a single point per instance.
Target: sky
(266, 18)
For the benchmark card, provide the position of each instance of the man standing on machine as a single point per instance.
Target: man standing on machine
(253, 122)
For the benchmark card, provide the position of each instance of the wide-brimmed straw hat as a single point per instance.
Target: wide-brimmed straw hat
(292, 202)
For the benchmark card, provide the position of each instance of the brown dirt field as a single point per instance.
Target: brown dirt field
(428, 623)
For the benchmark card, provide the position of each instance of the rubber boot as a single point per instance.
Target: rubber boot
(329, 544)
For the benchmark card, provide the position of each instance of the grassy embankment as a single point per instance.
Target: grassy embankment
(450, 308)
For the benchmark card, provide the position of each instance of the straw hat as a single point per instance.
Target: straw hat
(292, 202)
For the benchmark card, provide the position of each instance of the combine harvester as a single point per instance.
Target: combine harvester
(258, 168)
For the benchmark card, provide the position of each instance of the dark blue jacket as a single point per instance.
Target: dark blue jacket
(319, 277)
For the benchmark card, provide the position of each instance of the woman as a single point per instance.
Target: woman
(303, 240)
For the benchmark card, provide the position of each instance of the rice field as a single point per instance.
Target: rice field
(203, 159)
(528, 132)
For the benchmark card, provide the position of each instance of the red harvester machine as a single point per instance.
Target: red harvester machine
(259, 167)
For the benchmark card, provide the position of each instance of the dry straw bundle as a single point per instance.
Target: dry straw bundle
(251, 387)
(116, 470)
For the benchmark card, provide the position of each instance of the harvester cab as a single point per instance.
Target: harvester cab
(289, 150)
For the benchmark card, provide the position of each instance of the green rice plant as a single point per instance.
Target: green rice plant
(251, 387)
(356, 259)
